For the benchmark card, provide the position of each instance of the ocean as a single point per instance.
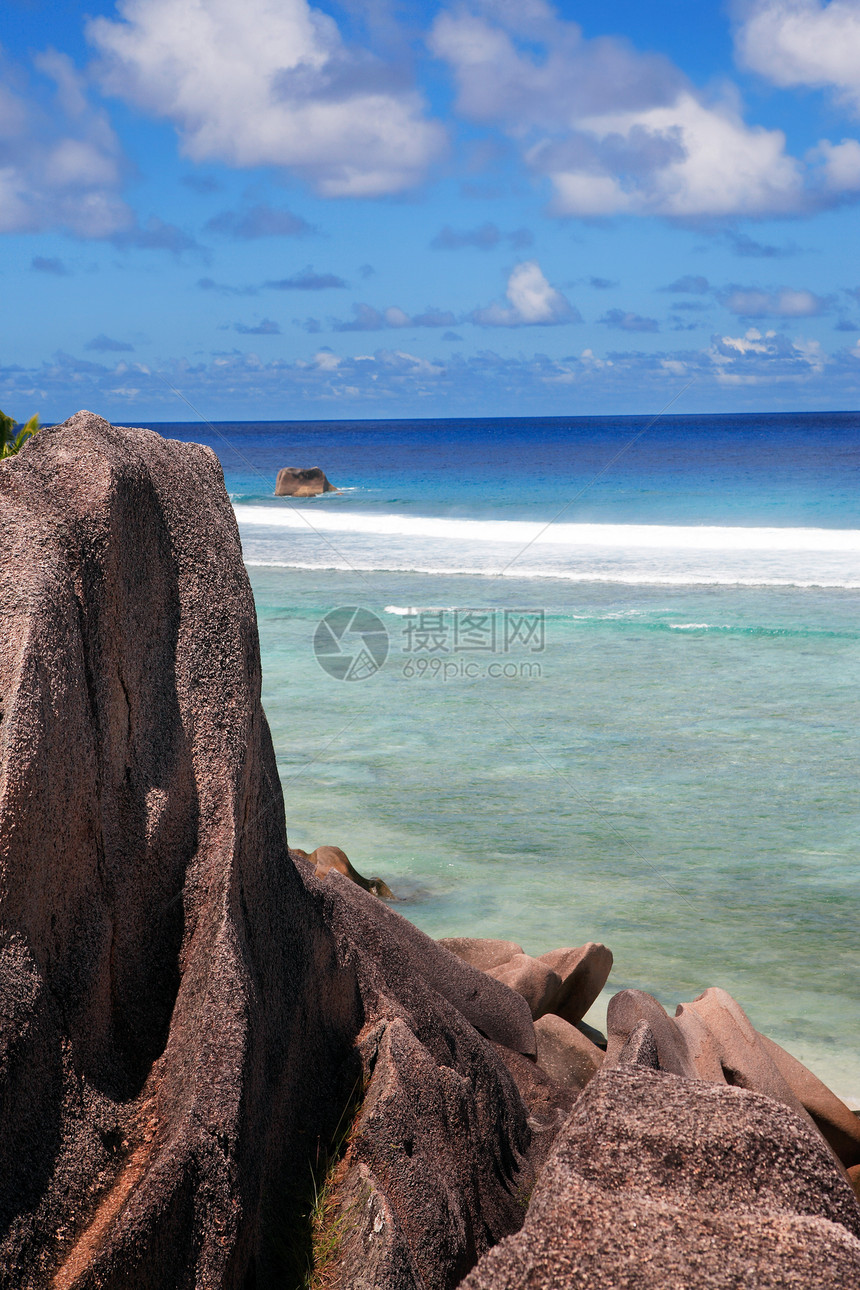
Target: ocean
(572, 679)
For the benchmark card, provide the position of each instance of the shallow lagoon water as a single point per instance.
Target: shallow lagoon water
(679, 782)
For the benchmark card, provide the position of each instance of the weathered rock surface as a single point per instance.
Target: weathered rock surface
(402, 955)
(712, 1038)
(185, 1013)
(481, 953)
(179, 1007)
(172, 1018)
(629, 1007)
(537, 983)
(564, 981)
(641, 1048)
(325, 859)
(565, 1054)
(584, 971)
(442, 1156)
(292, 482)
(835, 1121)
(659, 1181)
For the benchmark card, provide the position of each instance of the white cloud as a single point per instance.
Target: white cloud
(269, 82)
(533, 302)
(686, 158)
(751, 343)
(368, 318)
(616, 131)
(839, 165)
(803, 42)
(784, 302)
(60, 169)
(757, 358)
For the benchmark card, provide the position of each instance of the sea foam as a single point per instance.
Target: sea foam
(659, 554)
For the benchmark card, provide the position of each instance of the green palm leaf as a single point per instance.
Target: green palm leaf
(11, 443)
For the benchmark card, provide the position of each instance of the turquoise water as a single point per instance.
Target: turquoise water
(674, 772)
(684, 793)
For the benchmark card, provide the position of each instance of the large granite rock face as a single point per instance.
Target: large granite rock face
(178, 1012)
(162, 968)
(665, 1182)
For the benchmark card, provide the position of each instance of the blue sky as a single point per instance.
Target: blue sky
(375, 208)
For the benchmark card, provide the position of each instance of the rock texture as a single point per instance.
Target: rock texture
(664, 1182)
(442, 1156)
(324, 859)
(583, 972)
(713, 1039)
(481, 953)
(186, 1015)
(565, 981)
(183, 1017)
(292, 482)
(536, 982)
(835, 1121)
(161, 964)
(565, 1054)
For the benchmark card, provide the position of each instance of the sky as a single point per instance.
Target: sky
(274, 210)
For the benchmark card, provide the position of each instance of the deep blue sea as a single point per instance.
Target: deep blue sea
(620, 695)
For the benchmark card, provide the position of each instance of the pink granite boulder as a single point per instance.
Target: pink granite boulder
(537, 983)
(583, 971)
(481, 953)
(658, 1182)
(629, 1007)
(565, 1054)
(835, 1121)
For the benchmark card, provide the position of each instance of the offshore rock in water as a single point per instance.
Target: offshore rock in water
(293, 482)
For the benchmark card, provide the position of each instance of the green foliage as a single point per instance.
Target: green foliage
(10, 443)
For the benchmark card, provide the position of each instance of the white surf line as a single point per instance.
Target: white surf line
(611, 536)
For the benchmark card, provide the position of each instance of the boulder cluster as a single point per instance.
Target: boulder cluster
(228, 1067)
